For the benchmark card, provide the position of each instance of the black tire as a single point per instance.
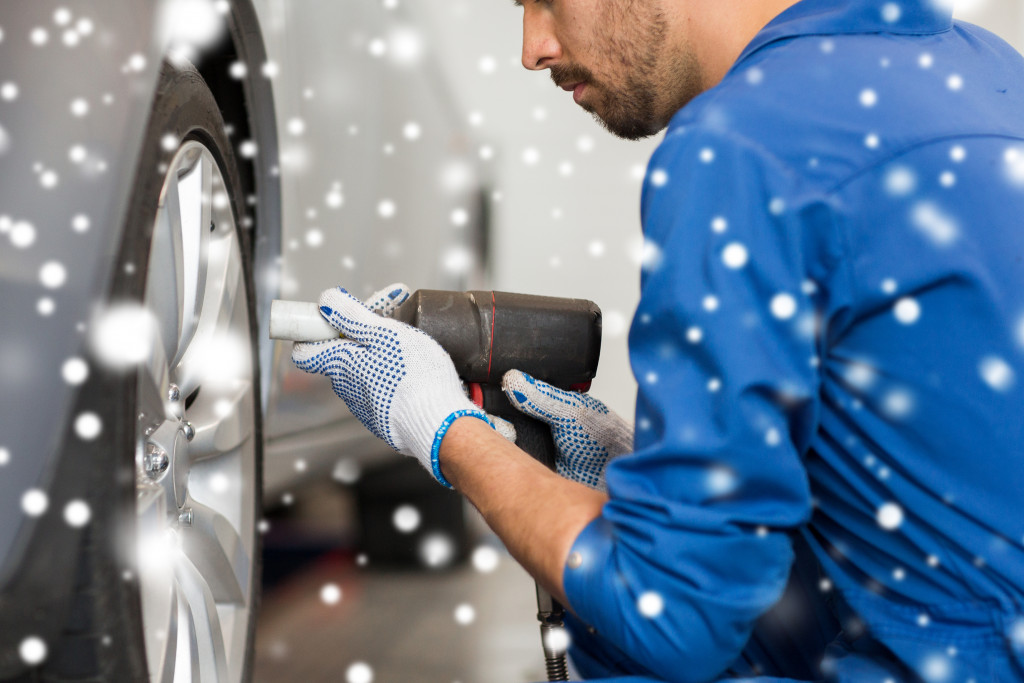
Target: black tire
(104, 638)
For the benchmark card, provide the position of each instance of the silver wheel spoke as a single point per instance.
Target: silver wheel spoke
(224, 426)
(206, 646)
(164, 282)
(216, 550)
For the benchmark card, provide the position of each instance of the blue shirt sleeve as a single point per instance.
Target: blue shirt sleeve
(693, 545)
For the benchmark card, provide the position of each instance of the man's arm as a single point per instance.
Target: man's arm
(535, 512)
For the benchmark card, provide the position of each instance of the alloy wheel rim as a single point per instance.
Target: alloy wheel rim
(196, 437)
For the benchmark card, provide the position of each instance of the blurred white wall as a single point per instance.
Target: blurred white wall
(567, 204)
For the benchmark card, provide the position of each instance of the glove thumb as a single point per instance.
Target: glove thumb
(388, 299)
(538, 399)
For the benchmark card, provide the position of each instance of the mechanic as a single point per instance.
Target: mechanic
(828, 348)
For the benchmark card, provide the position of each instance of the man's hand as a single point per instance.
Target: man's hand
(394, 378)
(586, 433)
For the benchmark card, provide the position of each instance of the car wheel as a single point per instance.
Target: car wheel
(169, 570)
(198, 446)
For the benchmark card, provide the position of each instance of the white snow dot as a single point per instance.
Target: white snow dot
(464, 614)
(707, 155)
(386, 208)
(220, 482)
(45, 306)
(77, 513)
(868, 97)
(557, 640)
(720, 481)
(270, 69)
(828, 46)
(783, 306)
(925, 61)
(74, 371)
(936, 668)
(996, 373)
(889, 516)
(359, 672)
(651, 378)
(898, 404)
(62, 16)
(889, 286)
(459, 217)
(39, 36)
(71, 37)
(531, 156)
(776, 206)
(825, 585)
(487, 64)
(347, 471)
(899, 573)
(650, 604)
(136, 62)
(412, 131)
(32, 650)
(23, 234)
(486, 152)
(238, 70)
(809, 287)
(88, 426)
(406, 518)
(694, 335)
(79, 106)
(314, 237)
(436, 550)
(900, 181)
(9, 91)
(485, 559)
(735, 255)
(755, 75)
(710, 303)
(585, 143)
(84, 26)
(123, 335)
(475, 119)
(955, 82)
(77, 154)
(540, 113)
(719, 224)
(891, 12)
(52, 274)
(5, 456)
(334, 199)
(330, 594)
(957, 153)
(872, 141)
(947, 179)
(296, 126)
(907, 310)
(34, 502)
(772, 437)
(932, 560)
(659, 177)
(248, 149)
(49, 179)
(714, 384)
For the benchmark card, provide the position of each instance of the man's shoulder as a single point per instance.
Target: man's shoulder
(826, 107)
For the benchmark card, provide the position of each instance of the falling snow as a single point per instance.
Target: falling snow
(889, 516)
(88, 426)
(650, 604)
(32, 650)
(464, 614)
(77, 513)
(330, 594)
(406, 519)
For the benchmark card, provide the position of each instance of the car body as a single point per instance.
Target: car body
(346, 166)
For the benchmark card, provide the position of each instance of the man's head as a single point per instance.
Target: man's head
(634, 63)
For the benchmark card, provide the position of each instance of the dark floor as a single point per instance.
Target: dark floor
(458, 625)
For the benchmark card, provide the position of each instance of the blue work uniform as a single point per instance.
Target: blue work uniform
(829, 348)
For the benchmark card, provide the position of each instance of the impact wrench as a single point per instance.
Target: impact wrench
(487, 334)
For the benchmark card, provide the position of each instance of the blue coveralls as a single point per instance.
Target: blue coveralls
(829, 348)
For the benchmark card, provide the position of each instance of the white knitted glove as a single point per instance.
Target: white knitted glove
(586, 433)
(394, 378)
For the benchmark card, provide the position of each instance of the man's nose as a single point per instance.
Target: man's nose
(540, 47)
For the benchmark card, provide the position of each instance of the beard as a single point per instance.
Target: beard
(633, 110)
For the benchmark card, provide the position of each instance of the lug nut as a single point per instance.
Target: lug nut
(155, 461)
(190, 431)
(173, 393)
(185, 517)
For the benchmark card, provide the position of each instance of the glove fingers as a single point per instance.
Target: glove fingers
(388, 299)
(316, 356)
(349, 315)
(538, 399)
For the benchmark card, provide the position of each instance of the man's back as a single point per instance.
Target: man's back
(860, 248)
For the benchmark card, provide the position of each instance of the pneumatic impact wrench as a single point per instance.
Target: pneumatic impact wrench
(486, 334)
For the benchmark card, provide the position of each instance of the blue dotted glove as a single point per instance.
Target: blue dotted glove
(394, 378)
(586, 433)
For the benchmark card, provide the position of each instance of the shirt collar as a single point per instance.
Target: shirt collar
(831, 17)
